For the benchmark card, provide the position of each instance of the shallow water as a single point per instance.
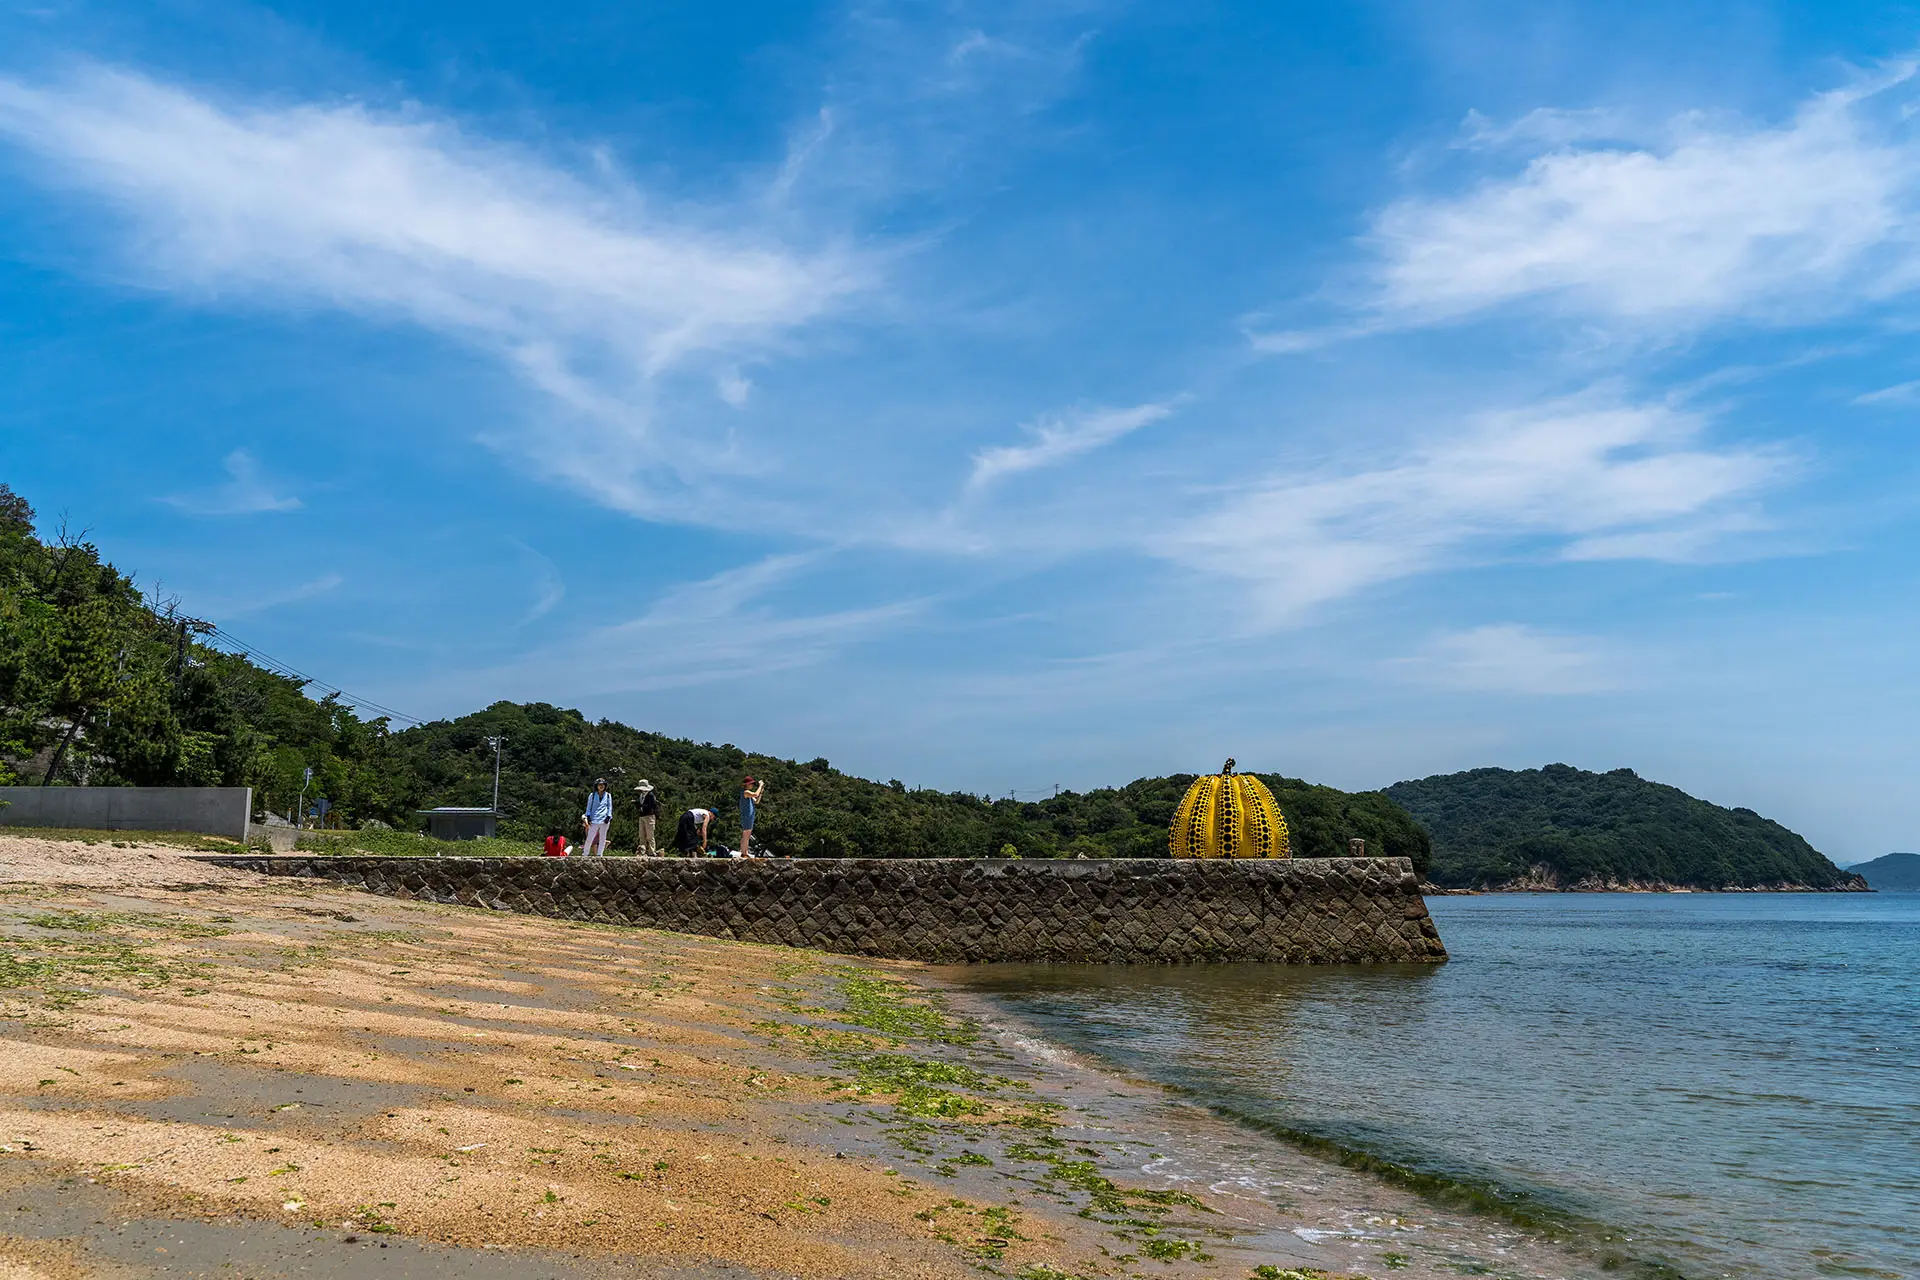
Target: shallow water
(1727, 1083)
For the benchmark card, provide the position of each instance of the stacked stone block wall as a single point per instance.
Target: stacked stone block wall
(1127, 911)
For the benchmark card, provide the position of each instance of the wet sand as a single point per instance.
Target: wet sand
(203, 1073)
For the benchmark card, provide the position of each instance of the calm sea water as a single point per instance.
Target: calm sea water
(1732, 1081)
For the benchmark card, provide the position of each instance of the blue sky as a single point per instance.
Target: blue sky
(999, 396)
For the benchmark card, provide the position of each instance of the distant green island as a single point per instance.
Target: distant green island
(1564, 828)
(1899, 872)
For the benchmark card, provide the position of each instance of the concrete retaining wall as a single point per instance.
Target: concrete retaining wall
(1300, 911)
(214, 811)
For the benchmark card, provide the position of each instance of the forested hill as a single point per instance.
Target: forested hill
(1561, 827)
(101, 685)
(812, 809)
(1896, 871)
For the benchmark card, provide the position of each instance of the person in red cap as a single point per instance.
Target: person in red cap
(750, 793)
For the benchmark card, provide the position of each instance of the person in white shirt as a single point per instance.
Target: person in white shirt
(690, 835)
(597, 818)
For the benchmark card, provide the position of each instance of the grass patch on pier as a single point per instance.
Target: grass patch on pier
(410, 844)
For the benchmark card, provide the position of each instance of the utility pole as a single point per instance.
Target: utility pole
(495, 744)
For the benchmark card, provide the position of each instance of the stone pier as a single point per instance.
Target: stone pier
(1121, 911)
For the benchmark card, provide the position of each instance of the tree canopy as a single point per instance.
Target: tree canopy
(103, 686)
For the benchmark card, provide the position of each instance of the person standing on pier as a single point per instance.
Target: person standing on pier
(597, 818)
(649, 817)
(750, 793)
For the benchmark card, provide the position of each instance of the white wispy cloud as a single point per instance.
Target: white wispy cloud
(1899, 393)
(716, 630)
(547, 585)
(261, 602)
(1058, 437)
(1511, 658)
(1548, 127)
(1573, 479)
(1694, 222)
(246, 492)
(734, 388)
(587, 288)
(927, 97)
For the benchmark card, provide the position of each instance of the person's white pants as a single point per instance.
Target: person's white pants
(596, 834)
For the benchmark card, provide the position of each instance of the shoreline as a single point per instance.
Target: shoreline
(1466, 1202)
(188, 1047)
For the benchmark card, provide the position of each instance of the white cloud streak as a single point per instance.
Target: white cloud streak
(1703, 222)
(320, 586)
(246, 492)
(1059, 437)
(734, 388)
(717, 630)
(1513, 659)
(1900, 393)
(1572, 480)
(586, 288)
(549, 588)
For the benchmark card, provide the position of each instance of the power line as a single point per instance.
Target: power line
(266, 660)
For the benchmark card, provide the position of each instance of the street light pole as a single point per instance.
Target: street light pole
(495, 744)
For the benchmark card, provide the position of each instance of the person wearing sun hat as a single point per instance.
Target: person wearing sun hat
(597, 818)
(649, 815)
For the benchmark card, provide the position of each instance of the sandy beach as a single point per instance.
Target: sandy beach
(204, 1073)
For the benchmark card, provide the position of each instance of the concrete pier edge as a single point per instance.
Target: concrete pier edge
(948, 910)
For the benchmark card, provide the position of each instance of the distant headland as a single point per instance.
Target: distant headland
(1561, 828)
(1898, 872)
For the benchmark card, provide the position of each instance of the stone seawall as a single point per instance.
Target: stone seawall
(1129, 911)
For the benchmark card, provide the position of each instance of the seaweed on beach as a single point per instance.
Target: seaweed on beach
(62, 971)
(940, 1111)
(65, 955)
(72, 921)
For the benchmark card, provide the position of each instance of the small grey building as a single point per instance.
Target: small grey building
(450, 822)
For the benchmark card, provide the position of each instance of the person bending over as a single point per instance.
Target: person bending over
(690, 836)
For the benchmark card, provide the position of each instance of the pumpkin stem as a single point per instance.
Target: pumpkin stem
(1227, 768)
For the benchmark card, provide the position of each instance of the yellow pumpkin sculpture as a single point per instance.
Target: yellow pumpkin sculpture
(1228, 815)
